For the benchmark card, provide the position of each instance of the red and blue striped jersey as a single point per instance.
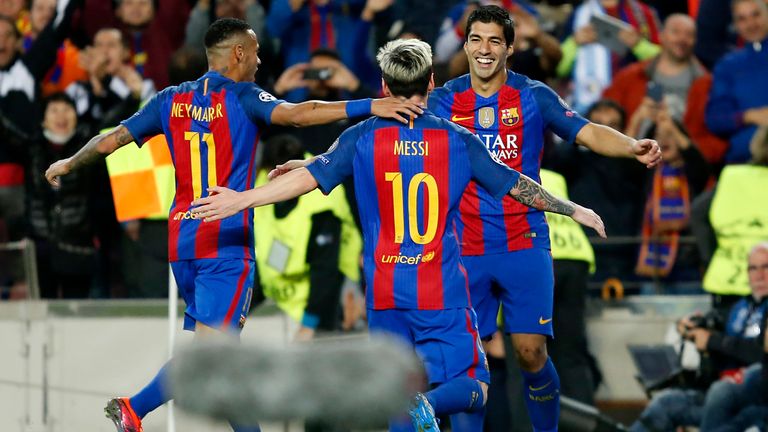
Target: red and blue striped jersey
(212, 126)
(409, 181)
(511, 124)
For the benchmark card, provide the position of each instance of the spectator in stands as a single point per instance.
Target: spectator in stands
(61, 221)
(20, 75)
(112, 84)
(67, 68)
(324, 244)
(324, 77)
(303, 26)
(674, 70)
(537, 53)
(716, 37)
(614, 186)
(16, 10)
(592, 64)
(729, 350)
(738, 101)
(671, 186)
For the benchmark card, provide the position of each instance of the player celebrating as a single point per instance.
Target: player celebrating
(503, 242)
(409, 181)
(212, 127)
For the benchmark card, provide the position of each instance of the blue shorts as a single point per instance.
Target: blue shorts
(522, 282)
(446, 340)
(218, 292)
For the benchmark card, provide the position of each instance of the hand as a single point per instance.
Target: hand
(288, 167)
(629, 37)
(292, 78)
(589, 218)
(668, 130)
(700, 337)
(56, 170)
(221, 203)
(372, 7)
(647, 151)
(585, 35)
(757, 116)
(132, 79)
(342, 78)
(395, 108)
(94, 61)
(304, 334)
(526, 25)
(684, 324)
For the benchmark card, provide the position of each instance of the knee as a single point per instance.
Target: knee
(532, 356)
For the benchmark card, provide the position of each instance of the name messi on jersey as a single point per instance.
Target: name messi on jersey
(197, 113)
(411, 148)
(502, 149)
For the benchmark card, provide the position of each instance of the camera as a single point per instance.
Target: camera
(710, 321)
(318, 74)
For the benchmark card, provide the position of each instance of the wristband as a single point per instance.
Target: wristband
(358, 108)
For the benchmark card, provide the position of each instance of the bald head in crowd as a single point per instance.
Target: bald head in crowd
(678, 37)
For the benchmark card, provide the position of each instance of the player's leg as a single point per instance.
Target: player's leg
(127, 413)
(527, 285)
(393, 323)
(448, 342)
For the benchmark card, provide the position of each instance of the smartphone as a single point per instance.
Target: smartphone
(655, 92)
(318, 74)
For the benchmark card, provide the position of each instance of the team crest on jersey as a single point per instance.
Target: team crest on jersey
(487, 117)
(509, 116)
(266, 97)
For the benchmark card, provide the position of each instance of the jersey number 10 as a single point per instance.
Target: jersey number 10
(194, 157)
(413, 198)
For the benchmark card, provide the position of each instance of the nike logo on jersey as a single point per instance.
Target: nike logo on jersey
(532, 388)
(543, 321)
(459, 118)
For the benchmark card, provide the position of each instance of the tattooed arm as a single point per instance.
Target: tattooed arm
(532, 194)
(317, 112)
(96, 149)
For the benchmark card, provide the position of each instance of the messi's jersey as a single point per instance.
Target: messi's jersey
(511, 124)
(409, 181)
(212, 126)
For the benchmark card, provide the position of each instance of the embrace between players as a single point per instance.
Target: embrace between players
(429, 191)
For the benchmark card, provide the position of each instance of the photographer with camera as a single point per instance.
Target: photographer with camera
(725, 353)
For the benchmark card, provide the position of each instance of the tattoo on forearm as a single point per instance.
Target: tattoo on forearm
(530, 193)
(122, 136)
(88, 154)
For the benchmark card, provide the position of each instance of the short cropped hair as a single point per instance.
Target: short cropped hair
(492, 14)
(406, 66)
(223, 29)
(59, 97)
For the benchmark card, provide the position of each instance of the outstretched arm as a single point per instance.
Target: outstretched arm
(225, 202)
(608, 142)
(96, 149)
(532, 194)
(318, 112)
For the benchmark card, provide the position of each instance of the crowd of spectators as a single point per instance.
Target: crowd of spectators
(675, 72)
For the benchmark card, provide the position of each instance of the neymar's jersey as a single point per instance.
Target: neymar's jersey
(409, 181)
(511, 124)
(212, 126)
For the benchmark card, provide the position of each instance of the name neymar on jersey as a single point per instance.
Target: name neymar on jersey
(195, 112)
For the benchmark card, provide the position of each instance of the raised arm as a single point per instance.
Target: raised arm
(528, 192)
(318, 112)
(609, 142)
(223, 202)
(96, 149)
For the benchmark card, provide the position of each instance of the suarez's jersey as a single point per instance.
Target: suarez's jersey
(409, 181)
(212, 126)
(511, 124)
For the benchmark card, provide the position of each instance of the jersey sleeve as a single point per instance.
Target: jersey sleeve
(258, 104)
(332, 167)
(557, 115)
(148, 121)
(495, 177)
(439, 102)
